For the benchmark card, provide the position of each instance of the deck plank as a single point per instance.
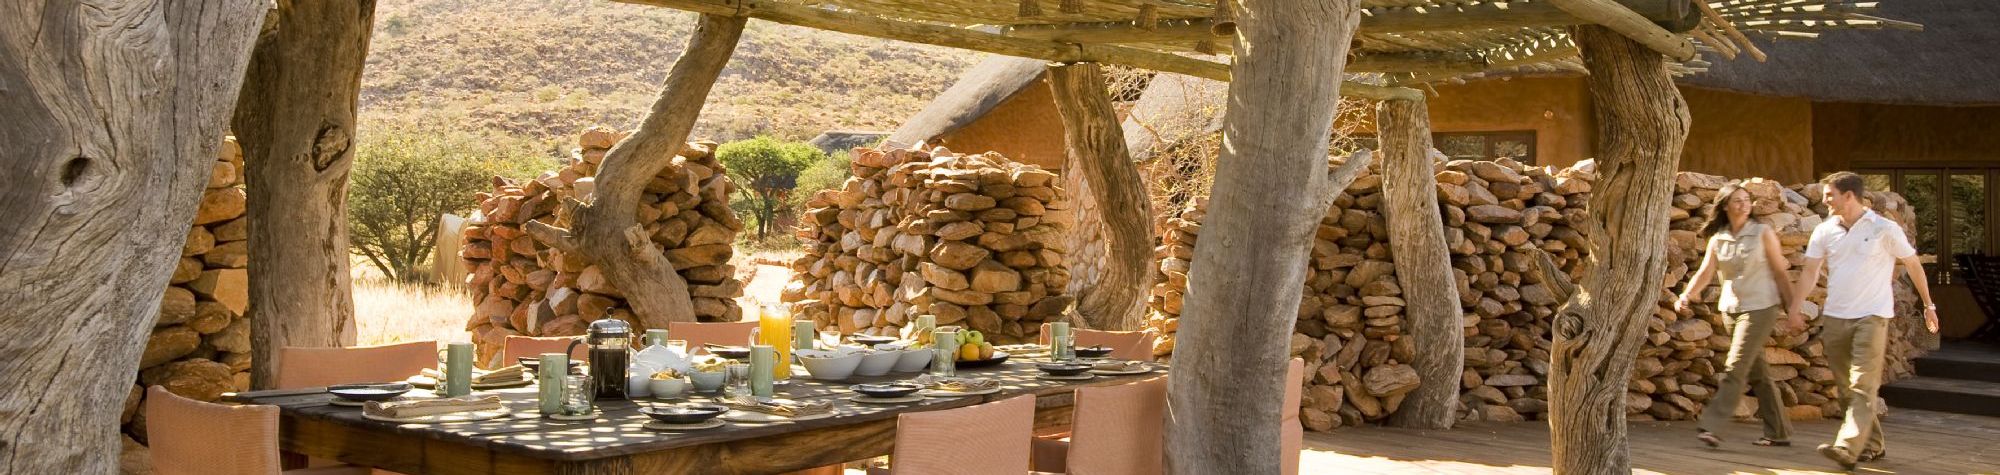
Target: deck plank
(1920, 442)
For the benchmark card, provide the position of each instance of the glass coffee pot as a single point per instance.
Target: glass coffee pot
(610, 343)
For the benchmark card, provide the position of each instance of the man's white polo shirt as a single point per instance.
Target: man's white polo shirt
(1860, 263)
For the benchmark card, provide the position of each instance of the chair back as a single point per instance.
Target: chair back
(300, 367)
(189, 437)
(517, 346)
(1119, 429)
(699, 334)
(1132, 345)
(1292, 434)
(936, 441)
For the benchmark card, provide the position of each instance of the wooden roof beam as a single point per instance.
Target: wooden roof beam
(1631, 24)
(1673, 14)
(1054, 51)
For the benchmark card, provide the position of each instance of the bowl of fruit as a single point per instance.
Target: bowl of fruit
(975, 352)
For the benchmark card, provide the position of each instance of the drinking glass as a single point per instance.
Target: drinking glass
(679, 346)
(830, 338)
(739, 380)
(578, 395)
(1063, 348)
(944, 355)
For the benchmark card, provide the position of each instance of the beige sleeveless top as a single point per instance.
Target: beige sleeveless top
(1745, 272)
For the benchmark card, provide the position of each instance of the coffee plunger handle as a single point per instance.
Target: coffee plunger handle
(571, 349)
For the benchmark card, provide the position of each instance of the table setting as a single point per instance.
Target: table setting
(622, 399)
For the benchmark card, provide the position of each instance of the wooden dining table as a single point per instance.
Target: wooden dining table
(615, 442)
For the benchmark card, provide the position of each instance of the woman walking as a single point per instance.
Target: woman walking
(1752, 264)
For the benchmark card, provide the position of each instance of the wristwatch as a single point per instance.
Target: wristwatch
(1930, 306)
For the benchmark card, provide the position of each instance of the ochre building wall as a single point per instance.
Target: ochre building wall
(1025, 128)
(1848, 136)
(1744, 135)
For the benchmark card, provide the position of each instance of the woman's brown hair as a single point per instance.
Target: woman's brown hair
(1718, 218)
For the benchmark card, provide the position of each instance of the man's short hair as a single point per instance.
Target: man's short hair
(1847, 182)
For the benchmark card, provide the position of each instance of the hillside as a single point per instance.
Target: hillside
(544, 69)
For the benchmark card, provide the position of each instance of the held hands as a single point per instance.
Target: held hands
(1795, 318)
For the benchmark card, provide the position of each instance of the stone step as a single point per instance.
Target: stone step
(1962, 360)
(1959, 396)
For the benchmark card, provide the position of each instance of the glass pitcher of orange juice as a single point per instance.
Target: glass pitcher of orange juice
(774, 326)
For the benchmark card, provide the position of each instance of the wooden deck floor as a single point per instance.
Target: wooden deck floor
(1920, 442)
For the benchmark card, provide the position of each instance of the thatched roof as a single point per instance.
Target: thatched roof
(1950, 62)
(833, 141)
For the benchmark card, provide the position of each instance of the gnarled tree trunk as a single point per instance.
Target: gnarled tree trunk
(295, 121)
(1271, 187)
(1097, 151)
(607, 230)
(113, 112)
(1423, 265)
(1641, 124)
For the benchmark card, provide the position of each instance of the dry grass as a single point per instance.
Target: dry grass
(391, 312)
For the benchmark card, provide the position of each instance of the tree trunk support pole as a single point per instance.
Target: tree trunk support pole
(295, 121)
(1423, 265)
(1096, 144)
(1271, 188)
(606, 230)
(113, 114)
(1641, 125)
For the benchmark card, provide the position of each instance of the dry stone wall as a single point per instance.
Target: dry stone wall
(200, 346)
(976, 240)
(1350, 322)
(522, 286)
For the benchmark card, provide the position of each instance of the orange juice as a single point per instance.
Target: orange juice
(774, 325)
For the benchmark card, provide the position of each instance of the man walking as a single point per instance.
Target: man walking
(1861, 249)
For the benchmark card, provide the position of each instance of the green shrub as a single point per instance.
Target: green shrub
(828, 174)
(406, 175)
(766, 170)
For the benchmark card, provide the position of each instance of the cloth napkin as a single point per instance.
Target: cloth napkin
(1119, 366)
(431, 407)
(955, 384)
(781, 407)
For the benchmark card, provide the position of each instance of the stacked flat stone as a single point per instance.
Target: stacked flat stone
(200, 346)
(522, 286)
(1350, 329)
(975, 240)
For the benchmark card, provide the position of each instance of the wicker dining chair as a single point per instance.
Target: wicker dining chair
(935, 442)
(516, 347)
(1115, 430)
(699, 334)
(191, 437)
(1125, 345)
(300, 367)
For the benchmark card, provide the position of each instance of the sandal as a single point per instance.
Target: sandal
(1767, 442)
(1709, 438)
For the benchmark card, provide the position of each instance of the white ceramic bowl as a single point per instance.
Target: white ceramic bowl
(668, 388)
(708, 382)
(878, 363)
(912, 360)
(829, 365)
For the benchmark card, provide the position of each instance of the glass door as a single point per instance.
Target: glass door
(1951, 205)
